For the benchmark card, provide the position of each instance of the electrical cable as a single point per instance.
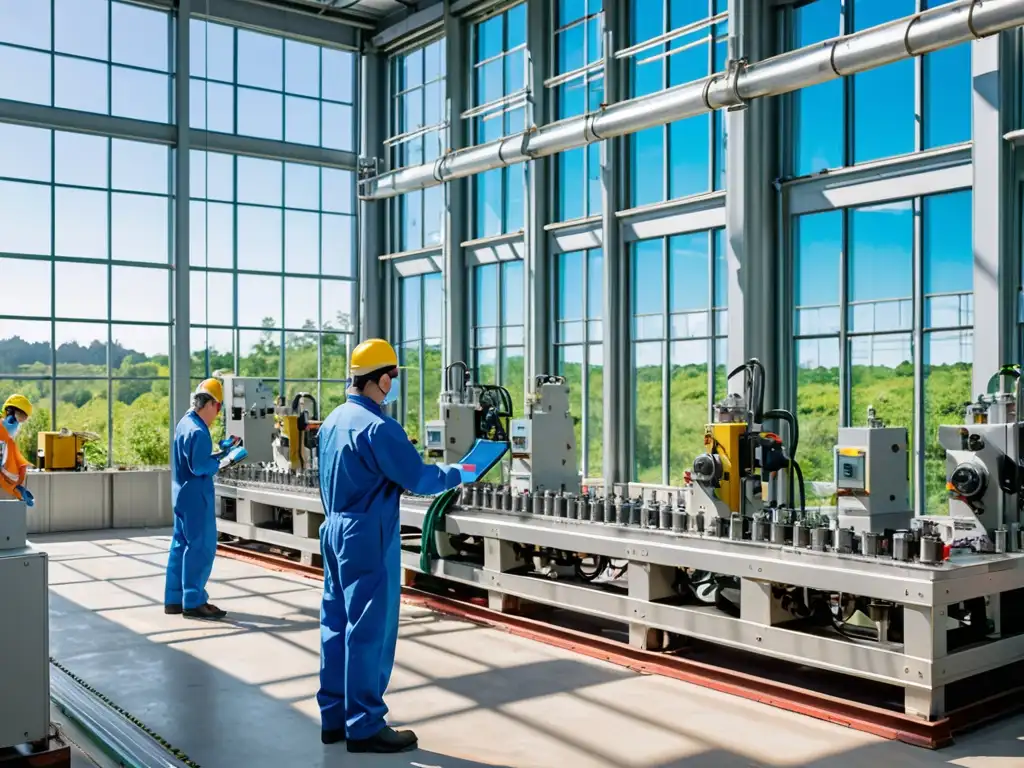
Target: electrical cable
(492, 452)
(803, 491)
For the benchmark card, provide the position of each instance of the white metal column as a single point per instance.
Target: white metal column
(181, 381)
(752, 261)
(995, 281)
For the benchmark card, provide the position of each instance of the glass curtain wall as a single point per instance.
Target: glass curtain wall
(253, 84)
(577, 88)
(420, 352)
(680, 322)
(84, 228)
(97, 56)
(273, 248)
(911, 105)
(579, 303)
(499, 93)
(419, 128)
(856, 327)
(673, 43)
(497, 344)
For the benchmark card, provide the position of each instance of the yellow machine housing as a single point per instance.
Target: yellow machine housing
(61, 451)
(290, 430)
(724, 440)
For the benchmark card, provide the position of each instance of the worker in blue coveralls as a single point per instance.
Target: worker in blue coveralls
(366, 461)
(194, 543)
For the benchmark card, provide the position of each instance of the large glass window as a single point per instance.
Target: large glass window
(254, 84)
(672, 44)
(578, 88)
(100, 56)
(679, 329)
(859, 347)
(273, 264)
(579, 305)
(498, 328)
(919, 103)
(84, 230)
(420, 351)
(499, 92)
(419, 135)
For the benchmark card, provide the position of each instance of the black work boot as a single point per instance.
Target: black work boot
(205, 611)
(173, 609)
(384, 741)
(332, 735)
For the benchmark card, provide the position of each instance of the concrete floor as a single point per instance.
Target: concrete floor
(242, 692)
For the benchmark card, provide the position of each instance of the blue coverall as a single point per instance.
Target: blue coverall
(366, 460)
(194, 543)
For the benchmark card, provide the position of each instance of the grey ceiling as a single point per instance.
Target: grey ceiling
(369, 10)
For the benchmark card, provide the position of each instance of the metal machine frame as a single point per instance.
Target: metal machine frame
(921, 664)
(871, 563)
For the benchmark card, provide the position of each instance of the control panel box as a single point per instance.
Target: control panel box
(249, 413)
(871, 466)
(25, 653)
(851, 469)
(435, 436)
(519, 437)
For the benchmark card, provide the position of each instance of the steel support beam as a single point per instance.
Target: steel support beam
(536, 268)
(374, 275)
(182, 357)
(40, 116)
(615, 347)
(995, 280)
(751, 258)
(456, 278)
(312, 27)
(275, 150)
(419, 25)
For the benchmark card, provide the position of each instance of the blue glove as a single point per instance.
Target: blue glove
(455, 477)
(26, 496)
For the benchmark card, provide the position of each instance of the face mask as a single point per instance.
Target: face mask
(393, 393)
(12, 425)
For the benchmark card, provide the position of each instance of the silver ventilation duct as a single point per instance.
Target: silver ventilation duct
(916, 35)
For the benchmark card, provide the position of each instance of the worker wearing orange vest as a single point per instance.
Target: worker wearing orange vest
(13, 466)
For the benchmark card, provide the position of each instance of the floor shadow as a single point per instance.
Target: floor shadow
(213, 716)
(239, 699)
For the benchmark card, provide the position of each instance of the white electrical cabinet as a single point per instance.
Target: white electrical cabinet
(24, 642)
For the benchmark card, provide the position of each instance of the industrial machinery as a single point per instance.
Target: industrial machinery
(469, 412)
(733, 556)
(249, 414)
(295, 433)
(544, 441)
(24, 653)
(63, 451)
(984, 475)
(872, 469)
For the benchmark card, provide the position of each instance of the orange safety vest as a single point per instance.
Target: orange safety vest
(12, 465)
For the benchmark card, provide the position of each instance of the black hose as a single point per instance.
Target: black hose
(803, 491)
(783, 415)
(756, 385)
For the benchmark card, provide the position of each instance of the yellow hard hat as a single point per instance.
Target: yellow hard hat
(213, 388)
(372, 355)
(20, 402)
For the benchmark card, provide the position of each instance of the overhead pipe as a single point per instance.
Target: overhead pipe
(906, 38)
